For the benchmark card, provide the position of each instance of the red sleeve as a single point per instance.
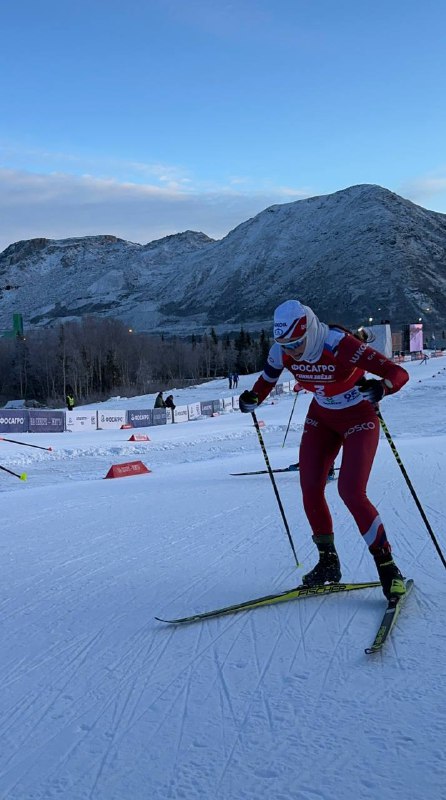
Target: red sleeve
(262, 388)
(354, 353)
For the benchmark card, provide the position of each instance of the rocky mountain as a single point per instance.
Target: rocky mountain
(360, 252)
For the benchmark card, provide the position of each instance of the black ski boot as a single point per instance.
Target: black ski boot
(328, 569)
(392, 581)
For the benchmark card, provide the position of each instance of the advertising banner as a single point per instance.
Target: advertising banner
(206, 408)
(180, 414)
(194, 410)
(279, 388)
(159, 416)
(217, 406)
(111, 419)
(80, 420)
(380, 338)
(227, 404)
(13, 421)
(286, 386)
(415, 337)
(40, 421)
(235, 403)
(141, 418)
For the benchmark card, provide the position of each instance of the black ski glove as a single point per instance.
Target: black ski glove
(372, 390)
(248, 401)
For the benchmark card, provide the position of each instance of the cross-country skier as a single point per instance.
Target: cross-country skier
(330, 362)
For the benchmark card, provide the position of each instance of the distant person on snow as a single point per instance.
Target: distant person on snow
(230, 380)
(159, 401)
(234, 380)
(331, 362)
(69, 399)
(170, 404)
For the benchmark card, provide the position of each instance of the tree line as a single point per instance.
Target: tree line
(97, 357)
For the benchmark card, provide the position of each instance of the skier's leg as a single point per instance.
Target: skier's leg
(360, 443)
(319, 447)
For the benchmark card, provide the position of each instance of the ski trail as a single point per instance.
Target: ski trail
(261, 672)
(184, 695)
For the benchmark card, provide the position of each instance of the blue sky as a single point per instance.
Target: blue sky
(147, 117)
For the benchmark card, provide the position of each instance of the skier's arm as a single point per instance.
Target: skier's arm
(357, 354)
(265, 383)
(272, 371)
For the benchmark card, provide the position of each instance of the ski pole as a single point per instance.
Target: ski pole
(270, 473)
(409, 484)
(25, 444)
(289, 421)
(16, 474)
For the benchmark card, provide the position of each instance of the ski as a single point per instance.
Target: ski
(291, 468)
(388, 621)
(298, 593)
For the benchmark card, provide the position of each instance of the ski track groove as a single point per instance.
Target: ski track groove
(304, 629)
(116, 720)
(254, 695)
(185, 667)
(119, 725)
(203, 579)
(338, 643)
(72, 581)
(220, 554)
(119, 735)
(108, 701)
(185, 694)
(55, 650)
(75, 661)
(223, 689)
(257, 662)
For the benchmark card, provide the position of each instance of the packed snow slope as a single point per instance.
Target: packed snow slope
(101, 702)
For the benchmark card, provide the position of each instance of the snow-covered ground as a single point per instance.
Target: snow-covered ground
(100, 701)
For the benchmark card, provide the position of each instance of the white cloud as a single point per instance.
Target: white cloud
(59, 206)
(427, 189)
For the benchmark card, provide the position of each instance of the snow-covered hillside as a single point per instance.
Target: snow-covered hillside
(373, 253)
(100, 701)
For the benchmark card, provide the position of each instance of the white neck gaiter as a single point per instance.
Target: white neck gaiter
(316, 335)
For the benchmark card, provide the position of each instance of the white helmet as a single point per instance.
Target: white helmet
(290, 322)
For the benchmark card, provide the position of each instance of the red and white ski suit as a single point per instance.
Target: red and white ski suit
(338, 416)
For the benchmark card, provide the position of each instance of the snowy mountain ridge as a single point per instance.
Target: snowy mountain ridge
(371, 251)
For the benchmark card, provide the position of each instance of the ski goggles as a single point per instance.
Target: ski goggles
(289, 346)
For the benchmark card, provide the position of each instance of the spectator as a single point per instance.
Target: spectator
(230, 380)
(159, 401)
(170, 404)
(69, 398)
(234, 380)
